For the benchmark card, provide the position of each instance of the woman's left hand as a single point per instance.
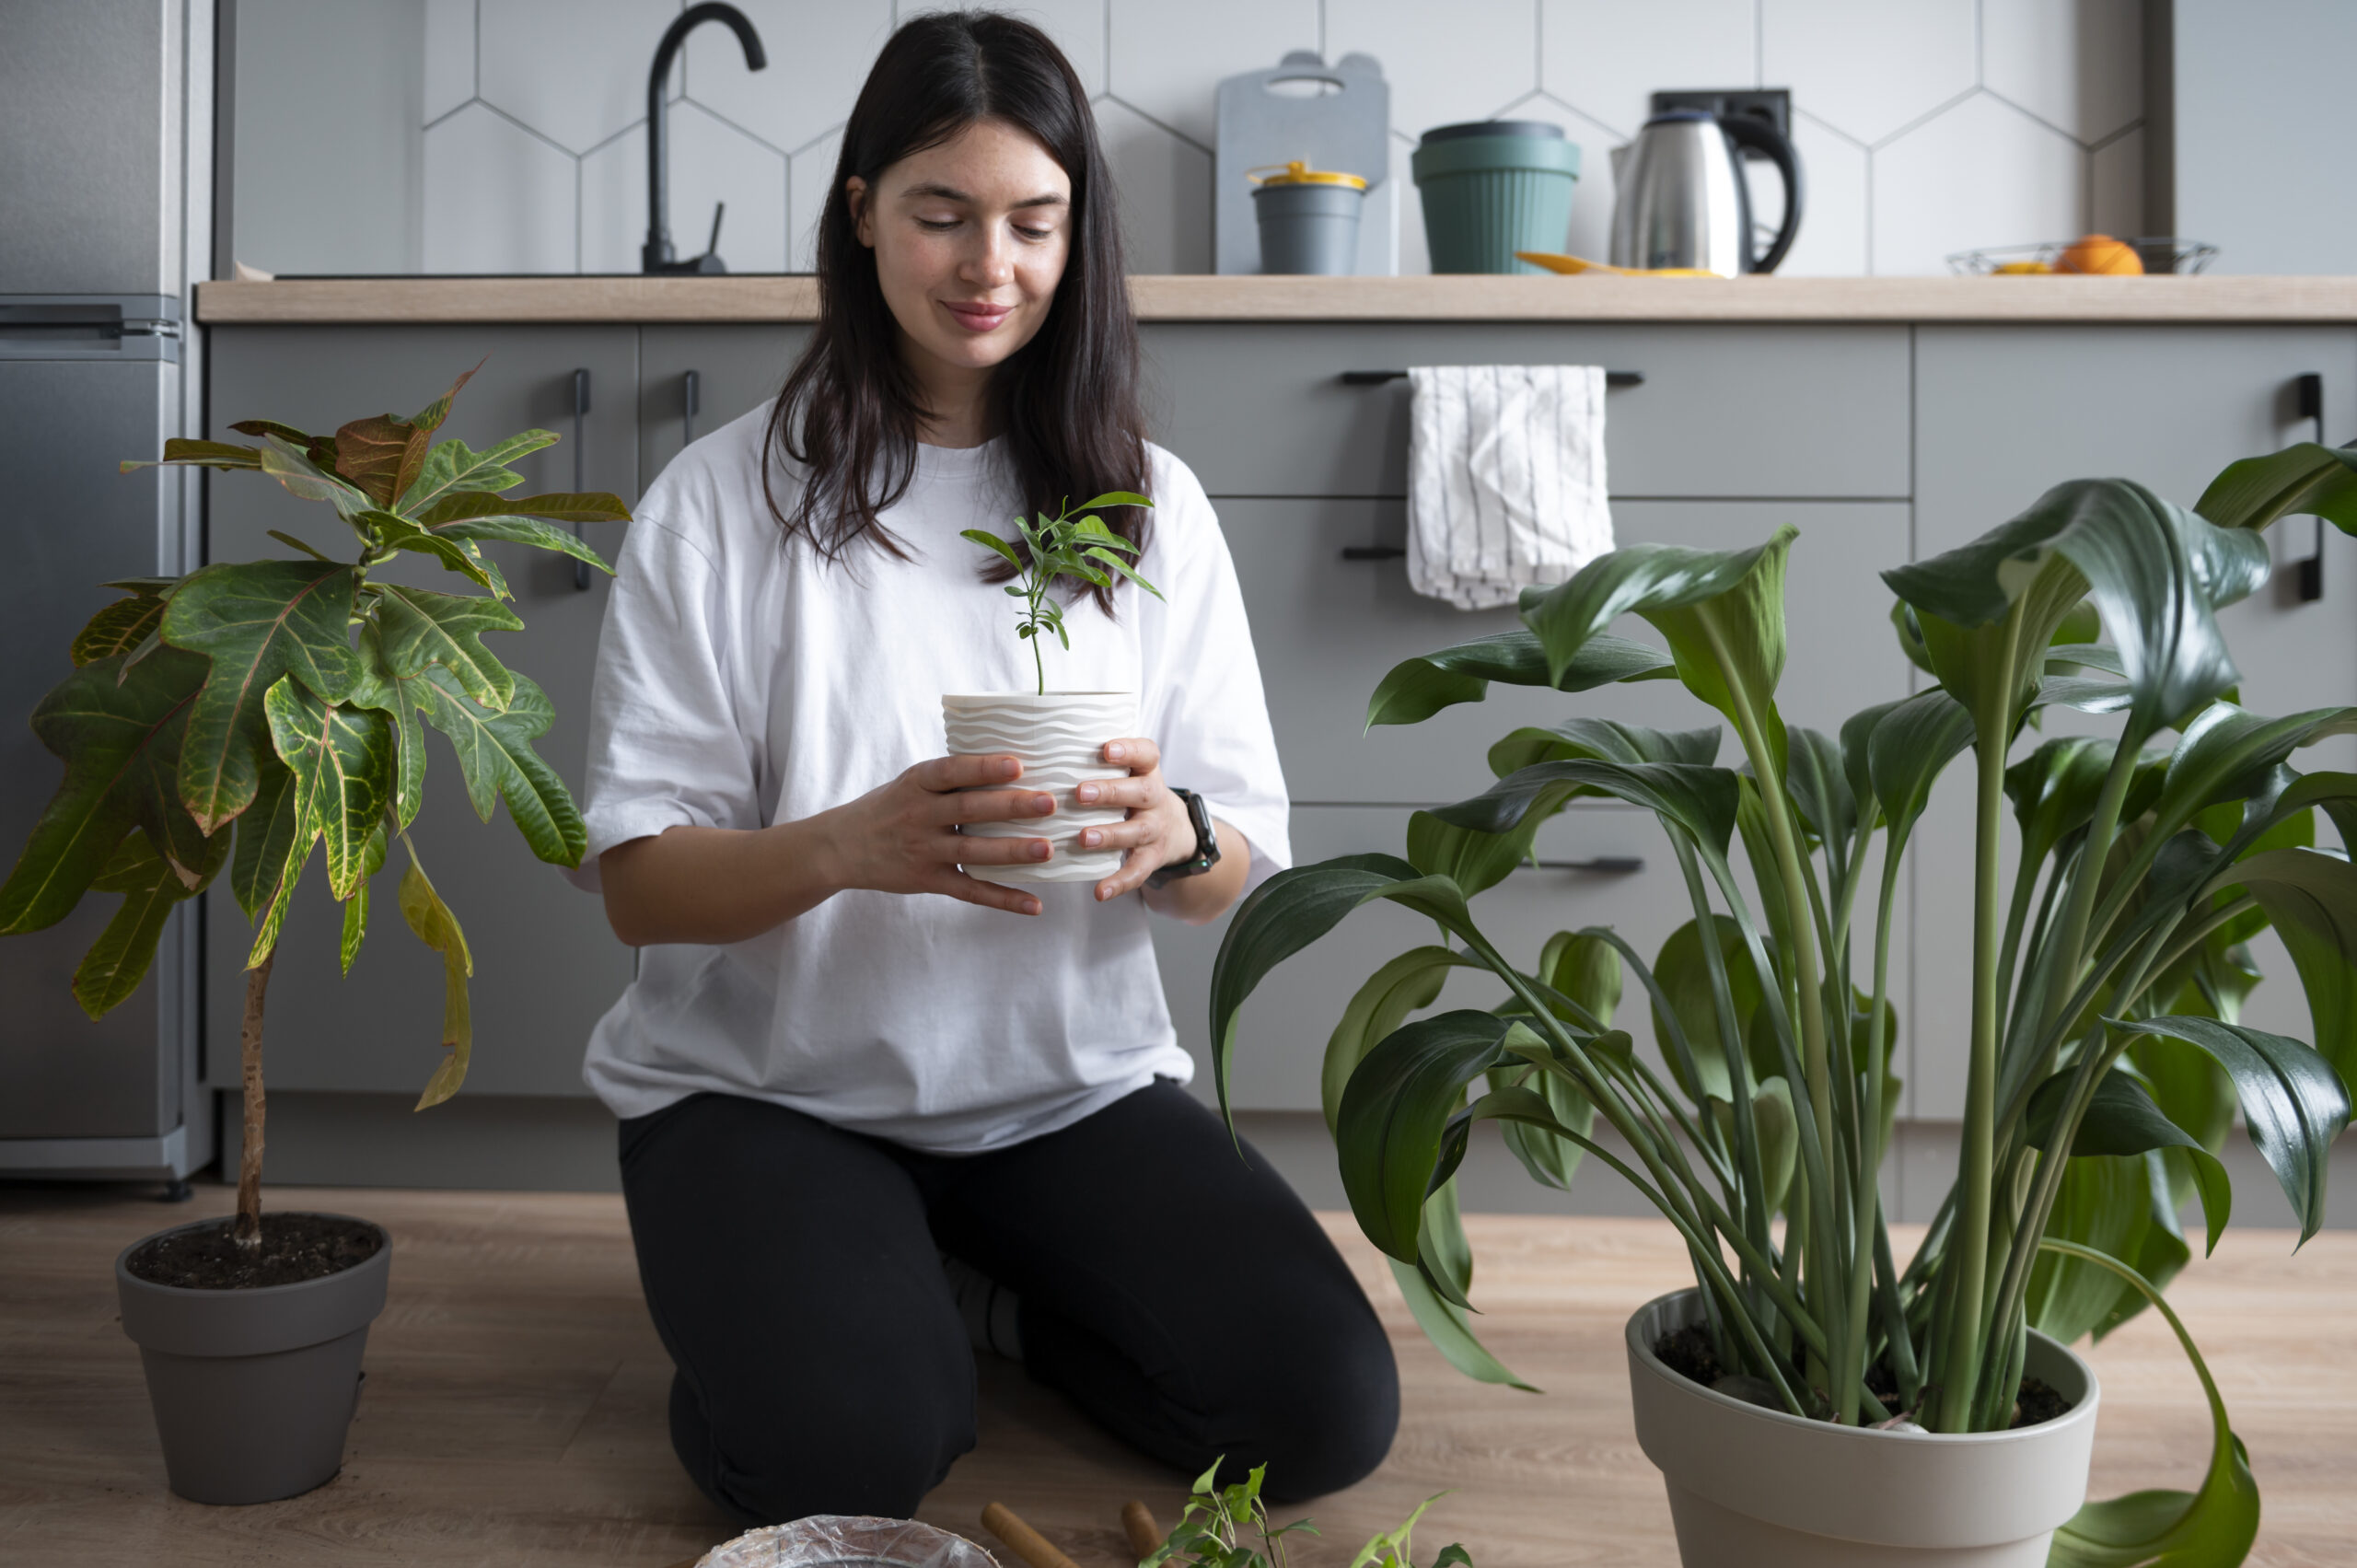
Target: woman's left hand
(1158, 832)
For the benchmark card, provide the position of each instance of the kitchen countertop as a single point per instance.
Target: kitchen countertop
(1200, 297)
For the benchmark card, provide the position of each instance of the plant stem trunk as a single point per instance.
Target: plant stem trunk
(1960, 1366)
(247, 1233)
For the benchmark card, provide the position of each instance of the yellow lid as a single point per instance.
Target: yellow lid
(1302, 174)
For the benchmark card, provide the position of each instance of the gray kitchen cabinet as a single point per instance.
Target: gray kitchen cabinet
(737, 367)
(1260, 408)
(546, 964)
(1326, 630)
(2006, 413)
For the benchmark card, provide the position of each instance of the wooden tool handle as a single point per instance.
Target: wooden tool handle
(1021, 1538)
(1139, 1526)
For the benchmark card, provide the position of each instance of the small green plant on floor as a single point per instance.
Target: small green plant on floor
(2105, 1059)
(285, 697)
(1052, 548)
(1214, 1530)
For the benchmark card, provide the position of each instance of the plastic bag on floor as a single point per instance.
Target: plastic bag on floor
(846, 1540)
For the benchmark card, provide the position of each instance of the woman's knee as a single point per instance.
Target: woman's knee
(1329, 1413)
(804, 1453)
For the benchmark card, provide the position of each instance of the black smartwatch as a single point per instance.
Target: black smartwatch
(1206, 853)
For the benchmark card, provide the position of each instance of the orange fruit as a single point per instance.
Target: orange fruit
(2099, 253)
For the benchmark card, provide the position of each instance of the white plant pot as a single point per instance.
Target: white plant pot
(1754, 1487)
(1060, 740)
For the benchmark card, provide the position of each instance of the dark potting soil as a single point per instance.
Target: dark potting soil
(1688, 1352)
(295, 1248)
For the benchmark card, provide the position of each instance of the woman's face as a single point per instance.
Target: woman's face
(970, 238)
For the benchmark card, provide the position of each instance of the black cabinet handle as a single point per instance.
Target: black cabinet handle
(1374, 551)
(580, 421)
(1602, 866)
(690, 404)
(2309, 390)
(1377, 378)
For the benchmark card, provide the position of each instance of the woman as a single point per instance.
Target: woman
(851, 1076)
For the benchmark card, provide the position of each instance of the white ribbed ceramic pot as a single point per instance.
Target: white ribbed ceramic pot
(1059, 737)
(1753, 1487)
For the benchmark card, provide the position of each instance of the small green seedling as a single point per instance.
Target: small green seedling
(1210, 1533)
(1058, 547)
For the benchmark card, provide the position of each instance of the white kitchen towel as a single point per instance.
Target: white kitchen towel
(1505, 478)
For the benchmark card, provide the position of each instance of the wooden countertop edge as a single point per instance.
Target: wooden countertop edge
(1212, 299)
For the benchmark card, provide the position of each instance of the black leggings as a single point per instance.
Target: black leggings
(1181, 1296)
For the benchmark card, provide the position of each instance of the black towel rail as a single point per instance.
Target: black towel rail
(1377, 378)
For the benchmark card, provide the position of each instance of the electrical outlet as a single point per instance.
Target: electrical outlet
(1771, 104)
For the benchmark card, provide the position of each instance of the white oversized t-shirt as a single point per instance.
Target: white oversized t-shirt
(743, 681)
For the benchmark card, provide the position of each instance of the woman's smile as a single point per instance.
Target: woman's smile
(977, 316)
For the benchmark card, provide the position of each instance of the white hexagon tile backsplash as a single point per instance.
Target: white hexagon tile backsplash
(1926, 126)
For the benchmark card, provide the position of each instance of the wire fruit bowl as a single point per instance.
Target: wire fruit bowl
(2159, 254)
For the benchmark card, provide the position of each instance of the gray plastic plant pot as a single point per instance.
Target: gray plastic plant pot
(254, 1389)
(1753, 1487)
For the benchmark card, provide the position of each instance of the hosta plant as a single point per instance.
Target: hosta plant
(2106, 1056)
(249, 715)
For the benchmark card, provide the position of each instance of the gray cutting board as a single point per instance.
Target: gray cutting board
(1346, 127)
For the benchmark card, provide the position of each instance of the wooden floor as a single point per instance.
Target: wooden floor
(514, 1408)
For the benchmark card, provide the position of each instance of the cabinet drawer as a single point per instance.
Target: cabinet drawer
(1326, 630)
(737, 368)
(1755, 411)
(546, 964)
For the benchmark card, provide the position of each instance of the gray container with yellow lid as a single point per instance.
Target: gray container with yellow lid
(1309, 218)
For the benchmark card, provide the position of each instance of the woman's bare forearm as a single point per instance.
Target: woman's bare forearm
(715, 886)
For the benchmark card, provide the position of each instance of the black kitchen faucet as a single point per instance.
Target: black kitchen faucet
(656, 256)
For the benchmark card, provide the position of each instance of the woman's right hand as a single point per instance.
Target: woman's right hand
(902, 837)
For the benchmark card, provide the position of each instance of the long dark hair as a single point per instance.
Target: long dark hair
(1067, 400)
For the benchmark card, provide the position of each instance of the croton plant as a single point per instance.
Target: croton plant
(283, 698)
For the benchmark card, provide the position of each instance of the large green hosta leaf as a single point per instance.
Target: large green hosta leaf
(1296, 907)
(1584, 968)
(1907, 749)
(1682, 972)
(2293, 1103)
(1723, 612)
(257, 621)
(1397, 1109)
(495, 755)
(1701, 800)
(2155, 571)
(2311, 898)
(121, 736)
(2298, 481)
(1407, 985)
(1447, 1325)
(1603, 740)
(1416, 688)
(2210, 1528)
(342, 761)
(2123, 1120)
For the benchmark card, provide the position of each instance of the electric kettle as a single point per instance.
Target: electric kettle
(1682, 200)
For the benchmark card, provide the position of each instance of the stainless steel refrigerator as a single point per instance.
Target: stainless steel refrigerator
(106, 191)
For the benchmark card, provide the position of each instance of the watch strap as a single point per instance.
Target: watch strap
(1206, 853)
